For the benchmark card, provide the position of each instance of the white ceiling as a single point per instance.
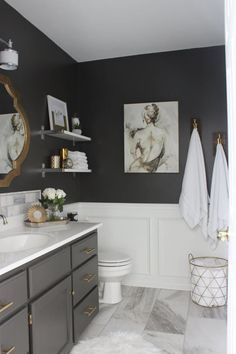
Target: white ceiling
(98, 29)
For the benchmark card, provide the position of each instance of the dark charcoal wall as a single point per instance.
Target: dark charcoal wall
(195, 78)
(43, 69)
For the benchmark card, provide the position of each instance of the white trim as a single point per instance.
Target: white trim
(230, 34)
(154, 236)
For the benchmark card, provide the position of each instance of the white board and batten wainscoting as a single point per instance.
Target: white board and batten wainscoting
(154, 235)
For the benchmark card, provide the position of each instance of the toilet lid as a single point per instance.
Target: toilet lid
(112, 257)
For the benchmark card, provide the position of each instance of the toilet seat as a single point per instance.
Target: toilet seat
(113, 259)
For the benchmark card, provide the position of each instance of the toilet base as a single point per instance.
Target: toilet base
(111, 293)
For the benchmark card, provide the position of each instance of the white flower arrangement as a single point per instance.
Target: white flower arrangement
(52, 197)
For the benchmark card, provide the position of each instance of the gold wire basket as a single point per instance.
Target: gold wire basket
(209, 277)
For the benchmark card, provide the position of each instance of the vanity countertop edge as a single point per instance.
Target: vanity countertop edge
(58, 237)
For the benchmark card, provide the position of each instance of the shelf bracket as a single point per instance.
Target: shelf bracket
(43, 170)
(42, 132)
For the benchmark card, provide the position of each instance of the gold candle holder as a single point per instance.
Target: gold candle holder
(55, 161)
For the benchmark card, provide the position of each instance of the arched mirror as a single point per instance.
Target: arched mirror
(14, 133)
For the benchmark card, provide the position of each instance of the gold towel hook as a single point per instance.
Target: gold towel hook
(195, 123)
(219, 139)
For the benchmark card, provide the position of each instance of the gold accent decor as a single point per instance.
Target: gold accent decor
(219, 140)
(195, 123)
(9, 351)
(64, 154)
(5, 307)
(89, 277)
(46, 223)
(37, 214)
(90, 310)
(6, 82)
(55, 161)
(88, 250)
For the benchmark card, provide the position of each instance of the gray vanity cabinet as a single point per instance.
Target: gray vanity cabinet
(48, 303)
(51, 326)
(14, 334)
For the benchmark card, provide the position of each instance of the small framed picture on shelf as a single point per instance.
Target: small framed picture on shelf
(58, 116)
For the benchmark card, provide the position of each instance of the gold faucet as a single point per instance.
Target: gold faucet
(5, 222)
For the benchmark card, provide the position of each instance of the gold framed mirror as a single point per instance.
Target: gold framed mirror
(14, 132)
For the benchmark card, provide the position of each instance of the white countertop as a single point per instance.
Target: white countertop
(57, 236)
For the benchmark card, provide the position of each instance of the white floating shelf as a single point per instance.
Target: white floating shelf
(67, 170)
(63, 170)
(64, 134)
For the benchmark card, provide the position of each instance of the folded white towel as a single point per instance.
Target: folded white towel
(193, 200)
(80, 164)
(219, 199)
(77, 153)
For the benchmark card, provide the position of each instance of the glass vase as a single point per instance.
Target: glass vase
(54, 213)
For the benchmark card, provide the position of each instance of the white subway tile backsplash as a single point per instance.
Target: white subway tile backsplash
(3, 201)
(9, 200)
(16, 203)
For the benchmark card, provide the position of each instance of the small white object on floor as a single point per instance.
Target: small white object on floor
(219, 199)
(116, 343)
(193, 202)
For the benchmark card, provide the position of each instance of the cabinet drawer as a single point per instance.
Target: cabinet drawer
(14, 337)
(84, 279)
(83, 250)
(85, 312)
(45, 273)
(13, 294)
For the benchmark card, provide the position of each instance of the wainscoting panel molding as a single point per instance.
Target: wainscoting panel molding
(156, 238)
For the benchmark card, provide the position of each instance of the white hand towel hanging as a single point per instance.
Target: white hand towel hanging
(219, 199)
(193, 200)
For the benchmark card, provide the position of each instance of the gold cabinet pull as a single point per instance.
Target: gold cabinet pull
(5, 307)
(89, 277)
(90, 310)
(8, 351)
(89, 250)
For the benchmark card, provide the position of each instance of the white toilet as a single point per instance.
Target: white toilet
(112, 268)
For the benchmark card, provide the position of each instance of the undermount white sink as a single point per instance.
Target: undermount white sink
(23, 242)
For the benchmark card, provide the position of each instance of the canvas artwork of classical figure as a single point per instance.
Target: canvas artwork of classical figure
(151, 137)
(12, 140)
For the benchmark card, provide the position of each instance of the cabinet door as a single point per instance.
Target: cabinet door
(14, 334)
(52, 320)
